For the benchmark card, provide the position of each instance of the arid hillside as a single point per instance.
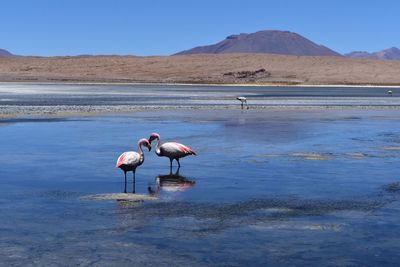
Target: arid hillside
(202, 68)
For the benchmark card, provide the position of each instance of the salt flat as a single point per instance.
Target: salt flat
(18, 100)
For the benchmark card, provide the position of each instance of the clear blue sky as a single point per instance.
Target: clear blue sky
(162, 27)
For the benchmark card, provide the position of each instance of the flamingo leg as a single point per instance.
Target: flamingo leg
(242, 105)
(170, 164)
(125, 182)
(134, 181)
(179, 165)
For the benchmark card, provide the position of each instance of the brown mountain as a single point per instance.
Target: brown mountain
(273, 42)
(392, 53)
(5, 53)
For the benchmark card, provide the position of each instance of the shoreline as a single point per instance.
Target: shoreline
(58, 112)
(19, 100)
(203, 84)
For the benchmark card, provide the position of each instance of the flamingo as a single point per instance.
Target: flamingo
(243, 100)
(171, 150)
(129, 161)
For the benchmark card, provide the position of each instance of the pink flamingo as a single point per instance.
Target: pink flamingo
(129, 161)
(171, 150)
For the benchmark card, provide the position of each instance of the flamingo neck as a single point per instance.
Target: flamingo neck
(158, 143)
(140, 151)
(158, 146)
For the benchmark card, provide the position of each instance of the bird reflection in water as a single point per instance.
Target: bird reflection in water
(172, 182)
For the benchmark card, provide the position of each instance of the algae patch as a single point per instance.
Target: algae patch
(356, 155)
(310, 156)
(391, 148)
(119, 196)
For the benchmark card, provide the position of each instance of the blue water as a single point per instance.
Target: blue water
(279, 188)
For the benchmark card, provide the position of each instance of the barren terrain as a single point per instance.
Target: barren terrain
(202, 68)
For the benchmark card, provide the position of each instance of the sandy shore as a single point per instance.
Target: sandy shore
(75, 111)
(207, 84)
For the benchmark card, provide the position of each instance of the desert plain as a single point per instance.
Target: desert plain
(262, 69)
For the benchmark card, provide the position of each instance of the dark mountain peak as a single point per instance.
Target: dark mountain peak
(268, 41)
(5, 53)
(236, 36)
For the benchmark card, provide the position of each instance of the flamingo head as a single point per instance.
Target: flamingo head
(154, 136)
(145, 143)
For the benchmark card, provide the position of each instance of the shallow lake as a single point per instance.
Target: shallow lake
(278, 188)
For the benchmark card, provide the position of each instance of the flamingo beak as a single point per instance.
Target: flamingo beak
(149, 147)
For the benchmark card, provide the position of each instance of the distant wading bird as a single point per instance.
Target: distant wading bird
(243, 100)
(390, 92)
(171, 150)
(129, 161)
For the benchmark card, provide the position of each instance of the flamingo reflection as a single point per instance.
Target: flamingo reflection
(172, 182)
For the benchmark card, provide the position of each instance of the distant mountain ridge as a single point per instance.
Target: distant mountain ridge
(269, 41)
(5, 53)
(392, 53)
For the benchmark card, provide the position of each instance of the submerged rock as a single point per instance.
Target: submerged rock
(392, 187)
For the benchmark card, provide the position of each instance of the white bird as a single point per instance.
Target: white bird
(130, 160)
(390, 92)
(243, 100)
(171, 150)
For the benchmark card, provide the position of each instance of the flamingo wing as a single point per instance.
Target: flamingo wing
(173, 148)
(129, 158)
